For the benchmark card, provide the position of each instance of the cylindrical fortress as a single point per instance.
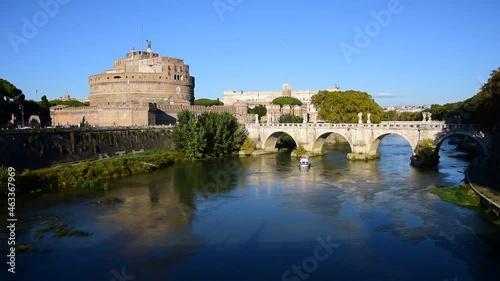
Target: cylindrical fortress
(142, 78)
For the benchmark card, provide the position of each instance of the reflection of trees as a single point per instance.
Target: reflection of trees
(214, 176)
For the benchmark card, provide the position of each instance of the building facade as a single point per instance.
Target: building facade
(255, 98)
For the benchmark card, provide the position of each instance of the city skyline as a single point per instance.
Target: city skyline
(400, 52)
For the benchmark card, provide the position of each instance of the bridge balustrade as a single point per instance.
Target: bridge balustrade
(423, 125)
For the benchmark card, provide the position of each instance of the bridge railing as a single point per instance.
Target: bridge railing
(392, 125)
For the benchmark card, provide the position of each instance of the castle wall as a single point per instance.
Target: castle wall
(74, 116)
(124, 116)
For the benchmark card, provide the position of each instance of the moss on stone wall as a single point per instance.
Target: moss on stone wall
(53, 146)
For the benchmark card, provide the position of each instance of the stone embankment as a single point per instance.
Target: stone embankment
(35, 148)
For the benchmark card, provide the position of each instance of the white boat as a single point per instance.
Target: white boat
(304, 161)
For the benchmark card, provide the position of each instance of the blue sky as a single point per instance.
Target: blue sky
(401, 52)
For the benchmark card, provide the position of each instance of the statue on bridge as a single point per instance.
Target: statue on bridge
(424, 116)
(368, 121)
(360, 118)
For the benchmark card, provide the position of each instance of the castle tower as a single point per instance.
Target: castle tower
(286, 91)
(141, 78)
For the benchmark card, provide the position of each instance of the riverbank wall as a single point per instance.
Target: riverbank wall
(481, 181)
(34, 149)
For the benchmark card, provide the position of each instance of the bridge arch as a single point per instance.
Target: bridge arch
(271, 140)
(320, 140)
(441, 138)
(378, 138)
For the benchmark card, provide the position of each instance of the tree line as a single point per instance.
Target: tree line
(13, 102)
(483, 108)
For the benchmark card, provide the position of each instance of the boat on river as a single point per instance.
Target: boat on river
(305, 162)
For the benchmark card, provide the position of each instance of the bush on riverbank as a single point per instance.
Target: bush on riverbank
(90, 173)
(210, 134)
(462, 195)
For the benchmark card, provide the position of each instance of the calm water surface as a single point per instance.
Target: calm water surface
(263, 218)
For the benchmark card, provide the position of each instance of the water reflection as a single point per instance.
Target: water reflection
(253, 218)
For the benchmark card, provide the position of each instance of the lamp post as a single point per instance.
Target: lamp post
(21, 107)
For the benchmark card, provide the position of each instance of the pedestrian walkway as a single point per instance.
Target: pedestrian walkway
(481, 182)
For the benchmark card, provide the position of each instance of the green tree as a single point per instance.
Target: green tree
(290, 101)
(482, 108)
(10, 96)
(289, 118)
(343, 106)
(259, 110)
(189, 136)
(30, 108)
(74, 103)
(410, 116)
(224, 135)
(208, 102)
(211, 134)
(390, 115)
(44, 112)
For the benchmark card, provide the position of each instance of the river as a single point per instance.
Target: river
(264, 218)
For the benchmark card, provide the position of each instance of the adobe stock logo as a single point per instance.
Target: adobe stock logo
(310, 264)
(363, 37)
(31, 26)
(224, 6)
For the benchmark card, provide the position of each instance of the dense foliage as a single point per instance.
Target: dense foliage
(289, 118)
(10, 98)
(208, 102)
(248, 146)
(13, 101)
(290, 101)
(211, 134)
(426, 154)
(393, 115)
(482, 108)
(68, 103)
(259, 110)
(343, 106)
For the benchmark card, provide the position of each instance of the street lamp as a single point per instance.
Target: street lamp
(21, 107)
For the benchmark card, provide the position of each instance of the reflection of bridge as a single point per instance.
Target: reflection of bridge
(363, 138)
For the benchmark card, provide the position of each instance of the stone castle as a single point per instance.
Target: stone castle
(143, 88)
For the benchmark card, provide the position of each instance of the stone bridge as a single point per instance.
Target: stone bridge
(364, 138)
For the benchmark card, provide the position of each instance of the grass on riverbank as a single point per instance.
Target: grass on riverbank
(90, 174)
(462, 195)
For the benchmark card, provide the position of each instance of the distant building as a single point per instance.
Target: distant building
(406, 108)
(255, 98)
(69, 98)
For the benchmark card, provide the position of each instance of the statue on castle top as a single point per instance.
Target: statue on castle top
(149, 45)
